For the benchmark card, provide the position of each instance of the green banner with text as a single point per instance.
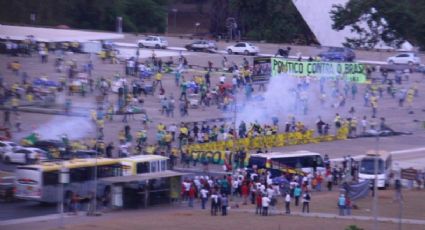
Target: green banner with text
(350, 71)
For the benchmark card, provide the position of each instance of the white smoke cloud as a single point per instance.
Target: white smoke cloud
(279, 101)
(74, 127)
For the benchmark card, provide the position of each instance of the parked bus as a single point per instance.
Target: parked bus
(290, 162)
(383, 160)
(40, 182)
(139, 164)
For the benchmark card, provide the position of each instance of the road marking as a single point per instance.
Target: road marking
(31, 219)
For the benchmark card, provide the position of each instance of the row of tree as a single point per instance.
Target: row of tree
(391, 21)
(138, 15)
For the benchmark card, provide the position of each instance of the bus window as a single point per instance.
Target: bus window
(260, 162)
(142, 167)
(81, 174)
(367, 166)
(163, 165)
(108, 171)
(154, 166)
(51, 178)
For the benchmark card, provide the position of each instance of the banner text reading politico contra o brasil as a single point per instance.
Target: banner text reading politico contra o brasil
(350, 71)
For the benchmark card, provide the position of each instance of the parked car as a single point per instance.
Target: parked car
(243, 48)
(55, 148)
(338, 54)
(7, 145)
(421, 69)
(84, 154)
(24, 155)
(153, 42)
(202, 45)
(405, 58)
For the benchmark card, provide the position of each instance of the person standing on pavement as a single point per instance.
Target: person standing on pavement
(297, 194)
(204, 197)
(214, 204)
(265, 201)
(287, 203)
(91, 203)
(341, 204)
(192, 193)
(347, 206)
(258, 202)
(224, 204)
(306, 202)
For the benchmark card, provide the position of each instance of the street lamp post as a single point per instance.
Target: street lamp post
(175, 18)
(375, 185)
(63, 179)
(197, 24)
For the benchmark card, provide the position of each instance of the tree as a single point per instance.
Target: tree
(138, 15)
(390, 21)
(271, 20)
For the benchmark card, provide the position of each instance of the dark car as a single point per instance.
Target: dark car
(420, 69)
(84, 154)
(56, 148)
(338, 54)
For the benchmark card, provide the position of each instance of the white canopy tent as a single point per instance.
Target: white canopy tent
(54, 35)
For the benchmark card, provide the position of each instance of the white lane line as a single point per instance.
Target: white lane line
(31, 219)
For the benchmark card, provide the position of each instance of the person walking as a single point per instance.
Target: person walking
(204, 197)
(258, 202)
(341, 204)
(192, 193)
(347, 206)
(306, 202)
(224, 204)
(287, 203)
(91, 204)
(214, 204)
(297, 194)
(265, 202)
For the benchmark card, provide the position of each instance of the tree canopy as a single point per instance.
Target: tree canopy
(138, 15)
(391, 21)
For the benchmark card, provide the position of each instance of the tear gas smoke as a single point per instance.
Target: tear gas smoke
(73, 127)
(279, 101)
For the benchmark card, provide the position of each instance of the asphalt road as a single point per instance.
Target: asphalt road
(23, 209)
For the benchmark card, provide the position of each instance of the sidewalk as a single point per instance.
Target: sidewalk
(53, 221)
(335, 216)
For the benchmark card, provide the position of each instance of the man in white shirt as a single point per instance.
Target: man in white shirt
(204, 197)
(287, 203)
(265, 201)
(222, 78)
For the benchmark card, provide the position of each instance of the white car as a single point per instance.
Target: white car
(153, 42)
(202, 45)
(405, 58)
(24, 155)
(6, 146)
(243, 48)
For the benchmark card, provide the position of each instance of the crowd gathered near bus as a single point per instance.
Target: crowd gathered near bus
(244, 182)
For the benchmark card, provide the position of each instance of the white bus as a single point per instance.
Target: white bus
(40, 182)
(367, 167)
(291, 162)
(140, 164)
